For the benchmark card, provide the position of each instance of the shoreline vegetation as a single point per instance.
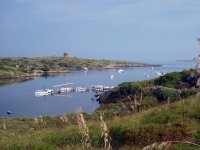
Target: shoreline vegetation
(25, 68)
(162, 113)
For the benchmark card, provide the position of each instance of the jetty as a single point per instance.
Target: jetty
(58, 89)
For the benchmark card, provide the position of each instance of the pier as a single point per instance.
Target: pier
(61, 90)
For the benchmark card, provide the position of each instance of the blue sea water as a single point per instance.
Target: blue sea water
(20, 98)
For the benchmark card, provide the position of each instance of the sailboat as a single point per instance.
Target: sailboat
(63, 89)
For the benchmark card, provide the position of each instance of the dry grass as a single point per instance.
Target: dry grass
(105, 133)
(167, 144)
(64, 118)
(86, 142)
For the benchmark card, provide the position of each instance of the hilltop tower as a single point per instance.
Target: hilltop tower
(65, 54)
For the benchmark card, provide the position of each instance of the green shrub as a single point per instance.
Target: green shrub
(149, 102)
(143, 136)
(169, 80)
(167, 94)
(130, 88)
(197, 136)
(45, 69)
(114, 94)
(185, 75)
(116, 134)
(187, 93)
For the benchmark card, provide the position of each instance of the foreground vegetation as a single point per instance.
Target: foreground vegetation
(11, 67)
(175, 125)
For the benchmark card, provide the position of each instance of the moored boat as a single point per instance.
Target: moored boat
(43, 92)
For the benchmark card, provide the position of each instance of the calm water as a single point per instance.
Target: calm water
(20, 99)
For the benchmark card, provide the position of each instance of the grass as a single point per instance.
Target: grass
(177, 121)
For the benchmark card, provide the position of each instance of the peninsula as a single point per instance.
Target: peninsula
(23, 67)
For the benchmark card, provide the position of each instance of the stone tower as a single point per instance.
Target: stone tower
(65, 54)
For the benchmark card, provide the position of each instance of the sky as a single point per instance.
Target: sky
(136, 30)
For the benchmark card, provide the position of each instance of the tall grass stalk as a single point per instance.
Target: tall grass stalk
(167, 144)
(158, 146)
(4, 124)
(41, 120)
(86, 142)
(105, 133)
(36, 120)
(64, 118)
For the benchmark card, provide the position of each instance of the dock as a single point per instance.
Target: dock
(62, 90)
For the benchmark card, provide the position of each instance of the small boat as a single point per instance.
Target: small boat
(86, 69)
(9, 112)
(43, 92)
(112, 77)
(97, 88)
(81, 89)
(64, 90)
(120, 71)
(160, 73)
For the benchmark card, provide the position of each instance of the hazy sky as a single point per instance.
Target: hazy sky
(140, 30)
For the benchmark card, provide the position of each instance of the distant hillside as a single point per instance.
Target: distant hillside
(17, 67)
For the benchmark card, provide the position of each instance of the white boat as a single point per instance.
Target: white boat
(81, 89)
(101, 88)
(112, 77)
(43, 92)
(64, 90)
(86, 69)
(97, 88)
(120, 71)
(160, 73)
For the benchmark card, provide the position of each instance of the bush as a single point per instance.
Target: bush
(187, 93)
(166, 94)
(45, 69)
(114, 94)
(197, 136)
(185, 75)
(149, 102)
(169, 80)
(144, 136)
(130, 88)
